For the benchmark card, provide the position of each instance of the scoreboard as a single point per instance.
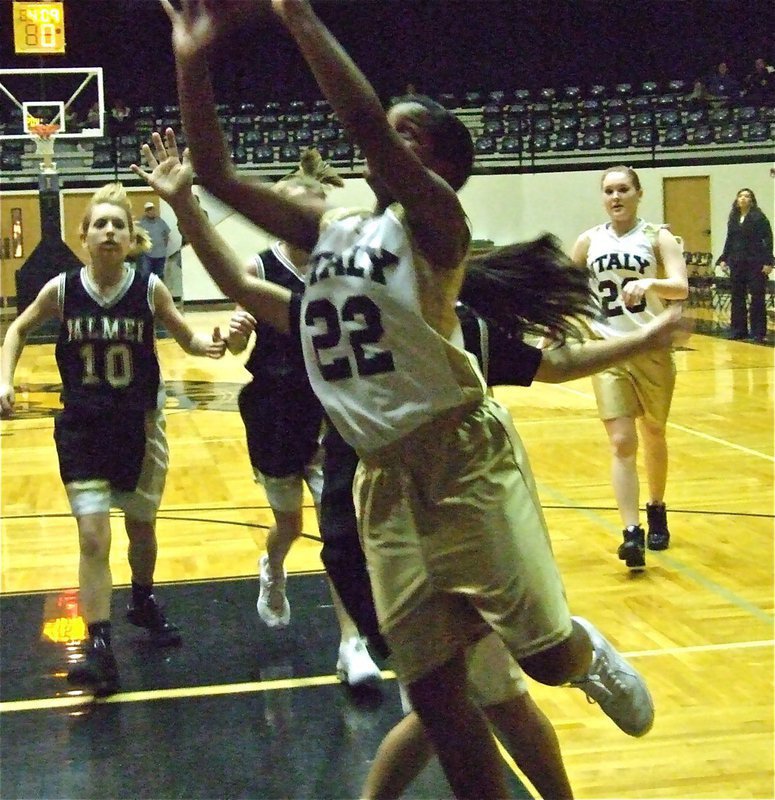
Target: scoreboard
(38, 28)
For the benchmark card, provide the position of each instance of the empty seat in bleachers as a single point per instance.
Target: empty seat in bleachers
(518, 124)
(568, 122)
(493, 127)
(538, 143)
(304, 136)
(277, 136)
(510, 144)
(649, 88)
(757, 132)
(289, 152)
(622, 90)
(342, 151)
(103, 158)
(298, 107)
(473, 99)
(592, 122)
(484, 145)
(645, 137)
(596, 92)
(262, 154)
(617, 121)
(728, 134)
(591, 140)
(492, 111)
(640, 103)
(252, 138)
(696, 117)
(747, 114)
(328, 134)
(674, 136)
(702, 134)
(572, 93)
(591, 106)
(522, 95)
(543, 123)
(566, 140)
(619, 138)
(616, 105)
(720, 116)
(643, 119)
(668, 118)
(10, 160)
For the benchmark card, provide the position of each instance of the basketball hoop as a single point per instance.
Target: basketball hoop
(43, 134)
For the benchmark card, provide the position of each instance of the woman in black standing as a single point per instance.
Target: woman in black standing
(748, 257)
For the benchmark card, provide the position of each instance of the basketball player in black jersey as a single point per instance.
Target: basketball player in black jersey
(283, 423)
(109, 435)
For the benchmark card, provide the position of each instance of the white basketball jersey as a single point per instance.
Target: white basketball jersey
(613, 261)
(378, 368)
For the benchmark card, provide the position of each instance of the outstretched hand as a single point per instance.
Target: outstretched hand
(170, 176)
(199, 23)
(670, 327)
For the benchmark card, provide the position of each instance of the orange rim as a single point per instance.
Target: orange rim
(44, 130)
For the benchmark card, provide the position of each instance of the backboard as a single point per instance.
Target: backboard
(71, 97)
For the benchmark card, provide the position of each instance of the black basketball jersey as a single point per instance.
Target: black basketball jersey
(282, 416)
(106, 351)
(276, 360)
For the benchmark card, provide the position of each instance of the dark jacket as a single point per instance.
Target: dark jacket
(750, 240)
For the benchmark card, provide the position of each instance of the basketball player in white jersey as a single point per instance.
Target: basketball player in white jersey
(633, 266)
(448, 511)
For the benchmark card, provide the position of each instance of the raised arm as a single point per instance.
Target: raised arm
(432, 206)
(195, 27)
(172, 179)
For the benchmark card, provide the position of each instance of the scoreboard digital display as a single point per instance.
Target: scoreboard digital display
(38, 28)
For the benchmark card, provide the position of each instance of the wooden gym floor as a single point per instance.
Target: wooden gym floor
(242, 712)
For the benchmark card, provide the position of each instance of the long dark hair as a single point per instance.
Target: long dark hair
(734, 213)
(530, 288)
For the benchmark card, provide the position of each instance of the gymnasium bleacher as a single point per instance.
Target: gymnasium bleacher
(568, 127)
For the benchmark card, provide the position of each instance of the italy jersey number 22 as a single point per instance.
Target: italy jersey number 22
(361, 335)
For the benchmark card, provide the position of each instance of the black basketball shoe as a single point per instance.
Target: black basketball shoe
(149, 615)
(98, 671)
(659, 536)
(633, 549)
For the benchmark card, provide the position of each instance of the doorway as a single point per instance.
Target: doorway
(687, 211)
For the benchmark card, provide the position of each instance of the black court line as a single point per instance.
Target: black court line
(238, 711)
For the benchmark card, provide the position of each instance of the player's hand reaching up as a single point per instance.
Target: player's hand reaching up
(199, 23)
(170, 176)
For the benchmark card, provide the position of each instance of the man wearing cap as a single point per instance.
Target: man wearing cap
(156, 258)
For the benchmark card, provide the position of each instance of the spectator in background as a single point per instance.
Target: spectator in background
(156, 258)
(120, 117)
(722, 85)
(93, 116)
(759, 84)
(748, 258)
